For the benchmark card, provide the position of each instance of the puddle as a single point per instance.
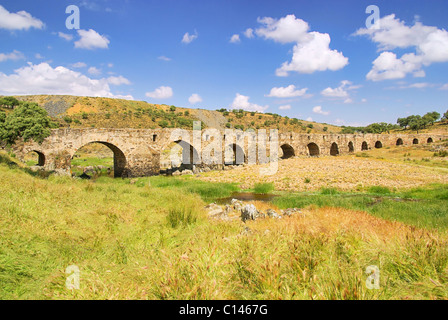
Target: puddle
(247, 196)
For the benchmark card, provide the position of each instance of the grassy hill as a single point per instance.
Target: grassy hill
(82, 112)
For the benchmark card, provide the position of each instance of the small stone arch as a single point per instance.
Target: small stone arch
(120, 160)
(237, 152)
(190, 155)
(378, 144)
(364, 146)
(399, 142)
(40, 157)
(429, 140)
(334, 149)
(351, 147)
(288, 151)
(415, 141)
(313, 149)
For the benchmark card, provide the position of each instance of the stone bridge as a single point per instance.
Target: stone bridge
(137, 152)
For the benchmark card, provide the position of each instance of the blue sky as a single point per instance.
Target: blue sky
(307, 59)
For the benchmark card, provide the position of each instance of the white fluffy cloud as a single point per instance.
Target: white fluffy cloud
(65, 36)
(78, 65)
(15, 55)
(161, 92)
(187, 38)
(21, 20)
(116, 81)
(430, 44)
(235, 38)
(285, 107)
(242, 102)
(194, 98)
(90, 39)
(286, 92)
(94, 71)
(249, 33)
(318, 110)
(44, 79)
(311, 52)
(341, 92)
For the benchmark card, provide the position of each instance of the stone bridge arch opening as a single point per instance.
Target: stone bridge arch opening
(334, 149)
(179, 155)
(313, 149)
(34, 158)
(429, 140)
(288, 151)
(98, 158)
(378, 144)
(237, 155)
(399, 142)
(364, 146)
(415, 141)
(351, 147)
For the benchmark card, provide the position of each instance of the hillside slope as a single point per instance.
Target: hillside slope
(82, 112)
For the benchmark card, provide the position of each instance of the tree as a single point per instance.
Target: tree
(431, 117)
(28, 121)
(9, 102)
(416, 123)
(445, 116)
(403, 122)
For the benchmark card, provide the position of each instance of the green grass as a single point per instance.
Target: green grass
(151, 240)
(263, 188)
(208, 191)
(420, 207)
(93, 161)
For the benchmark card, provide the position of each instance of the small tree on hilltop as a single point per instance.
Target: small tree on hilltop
(28, 121)
(445, 116)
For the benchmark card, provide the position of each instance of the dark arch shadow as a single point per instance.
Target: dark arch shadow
(415, 141)
(378, 144)
(351, 147)
(288, 151)
(399, 142)
(429, 140)
(364, 146)
(119, 158)
(334, 149)
(313, 149)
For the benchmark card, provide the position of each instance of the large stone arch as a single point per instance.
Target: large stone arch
(190, 156)
(415, 141)
(378, 144)
(288, 151)
(120, 160)
(313, 149)
(429, 140)
(334, 149)
(399, 142)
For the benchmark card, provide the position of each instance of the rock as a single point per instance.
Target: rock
(237, 205)
(249, 212)
(36, 168)
(177, 173)
(228, 209)
(185, 172)
(272, 214)
(215, 211)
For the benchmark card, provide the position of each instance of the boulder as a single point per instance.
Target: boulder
(249, 212)
(215, 211)
(272, 214)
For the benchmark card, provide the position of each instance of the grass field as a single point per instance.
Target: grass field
(152, 240)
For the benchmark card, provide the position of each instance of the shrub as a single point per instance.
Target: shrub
(68, 119)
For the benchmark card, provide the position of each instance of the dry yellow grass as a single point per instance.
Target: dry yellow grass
(344, 173)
